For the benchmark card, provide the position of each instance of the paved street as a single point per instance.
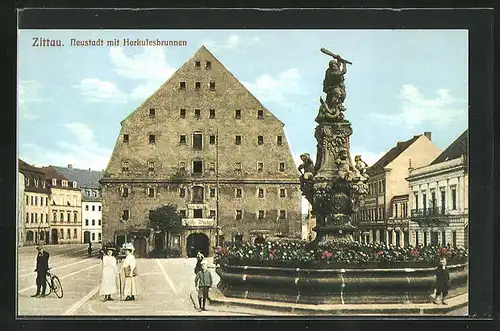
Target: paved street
(164, 286)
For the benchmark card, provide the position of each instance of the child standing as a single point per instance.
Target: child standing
(442, 281)
(203, 282)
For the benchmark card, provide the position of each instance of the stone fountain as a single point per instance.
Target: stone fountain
(334, 185)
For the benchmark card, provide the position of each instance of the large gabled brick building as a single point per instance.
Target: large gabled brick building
(201, 136)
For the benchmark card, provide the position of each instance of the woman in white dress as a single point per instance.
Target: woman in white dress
(128, 267)
(108, 275)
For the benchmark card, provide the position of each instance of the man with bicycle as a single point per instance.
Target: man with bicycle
(42, 266)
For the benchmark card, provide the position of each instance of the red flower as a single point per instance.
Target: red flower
(380, 253)
(415, 252)
(326, 254)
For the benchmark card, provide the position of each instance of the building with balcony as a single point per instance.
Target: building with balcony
(439, 198)
(64, 208)
(88, 182)
(202, 142)
(36, 205)
(383, 213)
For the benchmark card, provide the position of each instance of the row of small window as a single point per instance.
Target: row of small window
(372, 214)
(93, 222)
(376, 188)
(211, 113)
(34, 201)
(197, 86)
(198, 192)
(68, 234)
(434, 235)
(400, 210)
(198, 213)
(33, 218)
(99, 236)
(92, 193)
(433, 203)
(198, 140)
(61, 217)
(93, 207)
(197, 166)
(35, 181)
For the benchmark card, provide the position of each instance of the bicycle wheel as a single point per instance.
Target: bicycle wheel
(56, 283)
(48, 290)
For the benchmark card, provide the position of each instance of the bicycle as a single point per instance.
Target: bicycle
(54, 284)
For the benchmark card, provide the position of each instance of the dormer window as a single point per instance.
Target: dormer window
(64, 183)
(27, 181)
(54, 181)
(74, 185)
(36, 182)
(43, 184)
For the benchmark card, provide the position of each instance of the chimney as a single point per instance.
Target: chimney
(70, 166)
(428, 135)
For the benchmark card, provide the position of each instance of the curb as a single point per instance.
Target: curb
(217, 298)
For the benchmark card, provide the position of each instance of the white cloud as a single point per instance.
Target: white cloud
(276, 89)
(29, 96)
(232, 42)
(442, 110)
(84, 153)
(96, 90)
(151, 64)
(149, 69)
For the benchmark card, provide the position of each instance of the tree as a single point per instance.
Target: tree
(166, 219)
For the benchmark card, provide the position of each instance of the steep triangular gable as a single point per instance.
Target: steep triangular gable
(202, 52)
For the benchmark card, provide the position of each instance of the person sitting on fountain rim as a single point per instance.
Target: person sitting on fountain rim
(442, 281)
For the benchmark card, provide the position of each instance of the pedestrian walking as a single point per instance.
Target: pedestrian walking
(442, 281)
(42, 266)
(130, 272)
(89, 250)
(203, 282)
(108, 275)
(199, 258)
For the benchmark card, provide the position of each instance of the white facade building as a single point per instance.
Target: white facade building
(91, 201)
(439, 199)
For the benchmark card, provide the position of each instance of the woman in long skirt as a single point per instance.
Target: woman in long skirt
(128, 268)
(108, 275)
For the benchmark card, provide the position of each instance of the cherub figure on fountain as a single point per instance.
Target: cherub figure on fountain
(306, 170)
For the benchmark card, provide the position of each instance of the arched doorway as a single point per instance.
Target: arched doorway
(159, 241)
(54, 236)
(86, 237)
(140, 247)
(197, 242)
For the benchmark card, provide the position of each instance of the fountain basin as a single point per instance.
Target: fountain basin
(332, 285)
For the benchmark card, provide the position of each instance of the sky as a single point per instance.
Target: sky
(401, 83)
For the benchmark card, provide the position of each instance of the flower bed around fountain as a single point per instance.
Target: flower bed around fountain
(344, 272)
